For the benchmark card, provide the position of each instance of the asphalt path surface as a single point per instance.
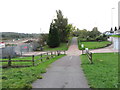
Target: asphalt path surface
(65, 72)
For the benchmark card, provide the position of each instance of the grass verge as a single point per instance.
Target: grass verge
(104, 72)
(63, 46)
(94, 45)
(17, 78)
(115, 36)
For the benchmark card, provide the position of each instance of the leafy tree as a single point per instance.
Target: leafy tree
(61, 24)
(102, 37)
(69, 30)
(53, 38)
(94, 33)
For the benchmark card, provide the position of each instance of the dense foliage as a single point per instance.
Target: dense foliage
(62, 26)
(53, 38)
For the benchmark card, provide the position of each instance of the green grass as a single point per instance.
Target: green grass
(104, 72)
(115, 35)
(94, 45)
(23, 77)
(63, 46)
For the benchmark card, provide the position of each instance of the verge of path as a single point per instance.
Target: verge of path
(108, 49)
(65, 72)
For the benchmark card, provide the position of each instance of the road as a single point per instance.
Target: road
(65, 72)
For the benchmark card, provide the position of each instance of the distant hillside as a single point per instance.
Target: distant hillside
(14, 35)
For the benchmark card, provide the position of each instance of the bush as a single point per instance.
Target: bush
(101, 38)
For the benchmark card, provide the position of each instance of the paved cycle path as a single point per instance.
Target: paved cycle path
(65, 72)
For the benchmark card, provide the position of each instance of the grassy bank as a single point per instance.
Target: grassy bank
(23, 77)
(115, 36)
(94, 45)
(104, 72)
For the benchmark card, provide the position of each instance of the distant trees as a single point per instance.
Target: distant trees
(85, 35)
(94, 32)
(14, 35)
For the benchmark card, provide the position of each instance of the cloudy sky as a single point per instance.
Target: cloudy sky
(35, 16)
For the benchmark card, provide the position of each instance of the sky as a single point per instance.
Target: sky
(35, 16)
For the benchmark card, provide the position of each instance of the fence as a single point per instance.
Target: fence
(33, 60)
(89, 54)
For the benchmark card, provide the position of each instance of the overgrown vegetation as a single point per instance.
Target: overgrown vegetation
(104, 72)
(53, 38)
(93, 45)
(16, 78)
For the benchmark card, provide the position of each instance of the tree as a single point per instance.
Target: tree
(53, 38)
(94, 32)
(115, 29)
(111, 30)
(42, 39)
(61, 24)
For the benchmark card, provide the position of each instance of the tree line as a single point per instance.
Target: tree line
(94, 35)
(15, 35)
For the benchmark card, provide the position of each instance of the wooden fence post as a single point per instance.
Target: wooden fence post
(47, 56)
(58, 53)
(33, 60)
(41, 57)
(9, 61)
(91, 57)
